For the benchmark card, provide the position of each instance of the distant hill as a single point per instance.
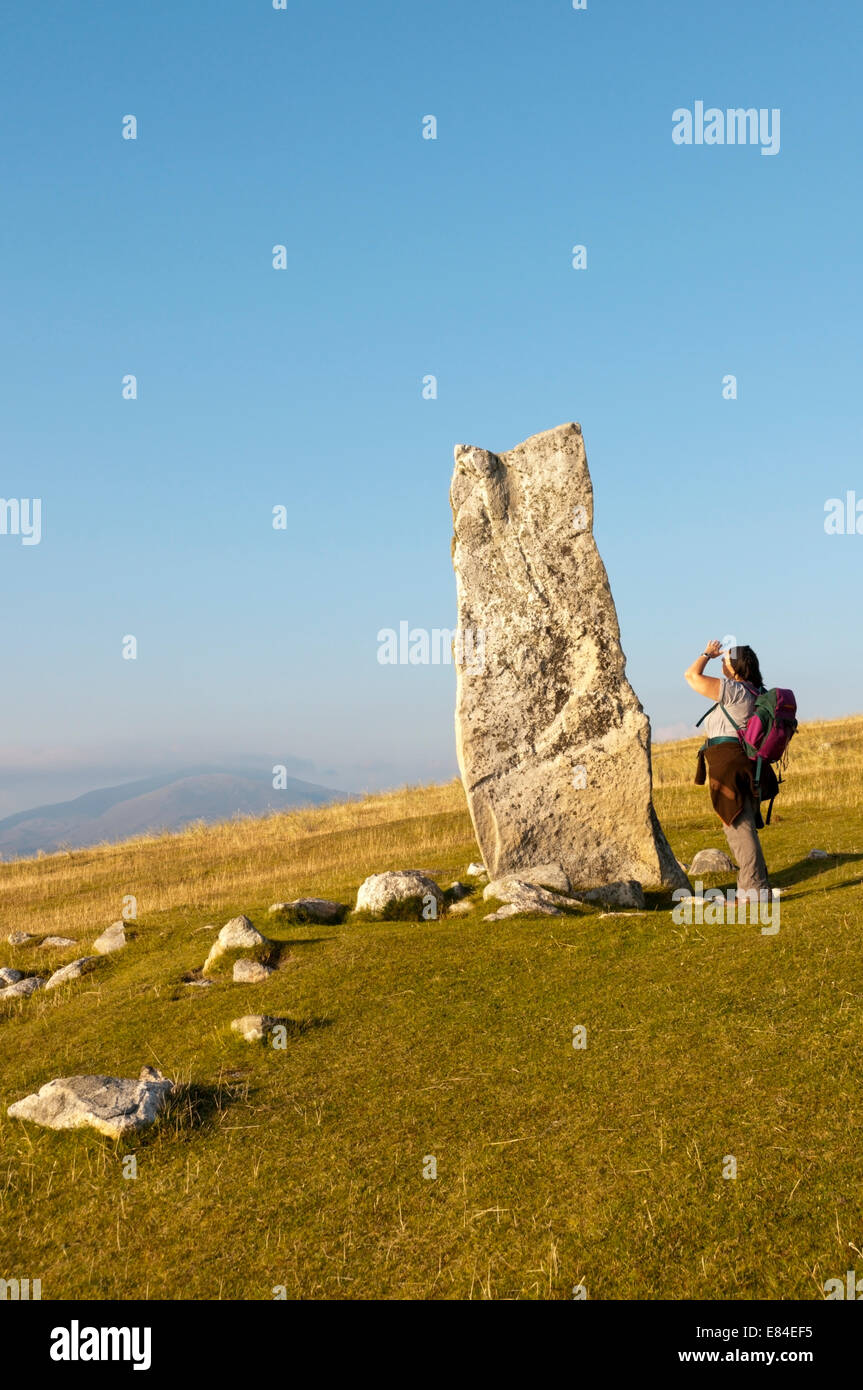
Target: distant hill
(168, 802)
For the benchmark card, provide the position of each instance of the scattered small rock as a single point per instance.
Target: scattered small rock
(236, 935)
(73, 971)
(112, 939)
(311, 910)
(508, 910)
(460, 908)
(381, 893)
(250, 972)
(476, 871)
(22, 989)
(20, 938)
(626, 893)
(56, 943)
(710, 861)
(818, 854)
(524, 897)
(9, 976)
(255, 1027)
(109, 1104)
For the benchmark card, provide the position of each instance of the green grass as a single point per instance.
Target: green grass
(556, 1166)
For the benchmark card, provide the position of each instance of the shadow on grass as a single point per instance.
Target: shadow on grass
(302, 941)
(806, 869)
(784, 879)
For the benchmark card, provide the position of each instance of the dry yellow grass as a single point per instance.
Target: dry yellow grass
(325, 850)
(275, 857)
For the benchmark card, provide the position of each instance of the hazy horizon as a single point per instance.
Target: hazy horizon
(246, 467)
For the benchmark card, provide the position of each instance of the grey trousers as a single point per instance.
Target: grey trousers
(745, 845)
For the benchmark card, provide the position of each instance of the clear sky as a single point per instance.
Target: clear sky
(408, 256)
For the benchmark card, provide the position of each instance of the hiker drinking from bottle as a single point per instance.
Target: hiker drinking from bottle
(733, 789)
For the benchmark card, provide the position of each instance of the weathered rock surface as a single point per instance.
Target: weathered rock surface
(312, 910)
(520, 896)
(476, 871)
(710, 861)
(112, 939)
(513, 886)
(255, 1027)
(235, 936)
(383, 891)
(459, 908)
(513, 910)
(22, 989)
(552, 876)
(251, 972)
(629, 893)
(109, 1104)
(73, 971)
(9, 976)
(20, 938)
(56, 943)
(553, 745)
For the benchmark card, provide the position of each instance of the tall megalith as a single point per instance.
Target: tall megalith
(553, 745)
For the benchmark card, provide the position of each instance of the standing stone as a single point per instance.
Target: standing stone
(553, 745)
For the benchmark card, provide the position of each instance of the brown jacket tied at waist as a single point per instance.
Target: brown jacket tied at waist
(732, 780)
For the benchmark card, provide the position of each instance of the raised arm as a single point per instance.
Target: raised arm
(695, 678)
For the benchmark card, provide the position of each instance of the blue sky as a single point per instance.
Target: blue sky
(407, 256)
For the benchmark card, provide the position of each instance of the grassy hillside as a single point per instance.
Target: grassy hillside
(555, 1166)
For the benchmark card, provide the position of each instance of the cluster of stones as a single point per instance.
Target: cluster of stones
(116, 1106)
(17, 984)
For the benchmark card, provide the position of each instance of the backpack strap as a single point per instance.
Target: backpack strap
(732, 722)
(718, 705)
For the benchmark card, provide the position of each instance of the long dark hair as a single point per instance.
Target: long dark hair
(744, 663)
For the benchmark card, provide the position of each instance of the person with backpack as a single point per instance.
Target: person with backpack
(737, 783)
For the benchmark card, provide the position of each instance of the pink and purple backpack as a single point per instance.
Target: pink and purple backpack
(767, 732)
